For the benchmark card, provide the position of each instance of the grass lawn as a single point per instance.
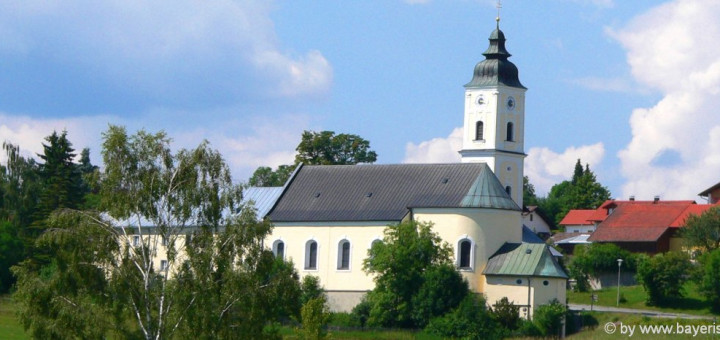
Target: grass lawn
(635, 297)
(10, 327)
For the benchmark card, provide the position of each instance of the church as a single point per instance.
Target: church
(327, 217)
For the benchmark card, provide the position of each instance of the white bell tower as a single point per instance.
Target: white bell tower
(494, 122)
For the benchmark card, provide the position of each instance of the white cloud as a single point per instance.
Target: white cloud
(546, 168)
(673, 48)
(268, 141)
(436, 150)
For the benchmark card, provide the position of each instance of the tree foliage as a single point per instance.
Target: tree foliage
(710, 278)
(529, 197)
(663, 276)
(411, 265)
(548, 318)
(470, 320)
(318, 148)
(213, 284)
(265, 176)
(596, 259)
(327, 148)
(702, 232)
(583, 191)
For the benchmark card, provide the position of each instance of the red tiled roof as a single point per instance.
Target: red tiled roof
(629, 234)
(578, 217)
(639, 221)
(694, 209)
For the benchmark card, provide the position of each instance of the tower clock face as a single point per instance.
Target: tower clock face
(510, 103)
(480, 100)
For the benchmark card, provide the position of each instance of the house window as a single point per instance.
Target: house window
(164, 241)
(465, 252)
(163, 265)
(136, 241)
(510, 136)
(343, 255)
(311, 248)
(279, 249)
(479, 127)
(531, 217)
(188, 239)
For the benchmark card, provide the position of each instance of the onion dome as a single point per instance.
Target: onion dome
(496, 69)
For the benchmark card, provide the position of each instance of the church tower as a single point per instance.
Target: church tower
(494, 122)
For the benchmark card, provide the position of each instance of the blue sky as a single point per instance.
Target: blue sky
(627, 86)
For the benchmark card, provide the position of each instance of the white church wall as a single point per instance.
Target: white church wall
(489, 229)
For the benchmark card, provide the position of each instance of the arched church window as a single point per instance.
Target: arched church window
(311, 248)
(279, 249)
(510, 136)
(343, 255)
(465, 254)
(508, 189)
(479, 130)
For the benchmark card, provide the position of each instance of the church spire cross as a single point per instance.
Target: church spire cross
(497, 19)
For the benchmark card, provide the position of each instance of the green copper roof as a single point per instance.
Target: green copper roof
(487, 192)
(496, 69)
(524, 259)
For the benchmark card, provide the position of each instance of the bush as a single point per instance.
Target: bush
(506, 314)
(344, 320)
(470, 320)
(709, 281)
(442, 290)
(361, 312)
(598, 258)
(663, 276)
(315, 316)
(549, 318)
(310, 288)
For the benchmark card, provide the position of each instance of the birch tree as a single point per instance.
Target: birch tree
(172, 241)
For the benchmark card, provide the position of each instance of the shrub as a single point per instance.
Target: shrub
(361, 312)
(310, 288)
(663, 276)
(549, 318)
(710, 278)
(506, 314)
(442, 290)
(315, 316)
(470, 319)
(344, 320)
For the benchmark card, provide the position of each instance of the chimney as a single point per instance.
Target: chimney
(656, 199)
(632, 198)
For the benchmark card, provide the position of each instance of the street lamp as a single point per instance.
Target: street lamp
(618, 294)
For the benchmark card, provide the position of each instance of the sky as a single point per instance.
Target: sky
(628, 87)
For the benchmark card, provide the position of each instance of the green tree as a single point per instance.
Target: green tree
(19, 189)
(469, 320)
(326, 148)
(315, 316)
(702, 232)
(529, 197)
(710, 278)
(506, 314)
(61, 187)
(265, 177)
(583, 191)
(410, 260)
(548, 318)
(663, 276)
(317, 148)
(596, 259)
(102, 279)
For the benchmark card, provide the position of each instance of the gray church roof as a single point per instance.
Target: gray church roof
(386, 192)
(263, 198)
